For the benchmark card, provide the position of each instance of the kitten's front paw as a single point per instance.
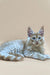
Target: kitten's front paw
(47, 56)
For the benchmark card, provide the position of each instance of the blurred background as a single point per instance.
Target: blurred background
(17, 15)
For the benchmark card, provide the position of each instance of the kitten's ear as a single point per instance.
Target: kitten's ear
(41, 31)
(30, 31)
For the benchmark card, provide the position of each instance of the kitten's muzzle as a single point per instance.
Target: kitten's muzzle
(36, 42)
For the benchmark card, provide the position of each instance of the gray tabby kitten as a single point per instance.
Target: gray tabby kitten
(18, 49)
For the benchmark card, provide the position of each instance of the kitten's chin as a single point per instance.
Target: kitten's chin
(37, 45)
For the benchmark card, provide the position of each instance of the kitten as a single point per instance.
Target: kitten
(18, 49)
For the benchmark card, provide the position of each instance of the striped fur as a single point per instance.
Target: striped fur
(31, 48)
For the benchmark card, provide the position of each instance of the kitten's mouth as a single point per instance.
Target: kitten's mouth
(36, 43)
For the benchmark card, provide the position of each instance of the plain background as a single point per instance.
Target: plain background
(15, 17)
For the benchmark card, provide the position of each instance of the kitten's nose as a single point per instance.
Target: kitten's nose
(36, 42)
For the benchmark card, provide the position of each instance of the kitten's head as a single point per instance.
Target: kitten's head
(36, 39)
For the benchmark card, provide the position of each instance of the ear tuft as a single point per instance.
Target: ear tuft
(41, 31)
(30, 31)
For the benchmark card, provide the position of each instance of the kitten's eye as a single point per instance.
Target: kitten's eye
(34, 38)
(39, 38)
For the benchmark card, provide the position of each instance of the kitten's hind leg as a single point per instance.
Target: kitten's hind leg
(20, 56)
(10, 57)
(6, 56)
